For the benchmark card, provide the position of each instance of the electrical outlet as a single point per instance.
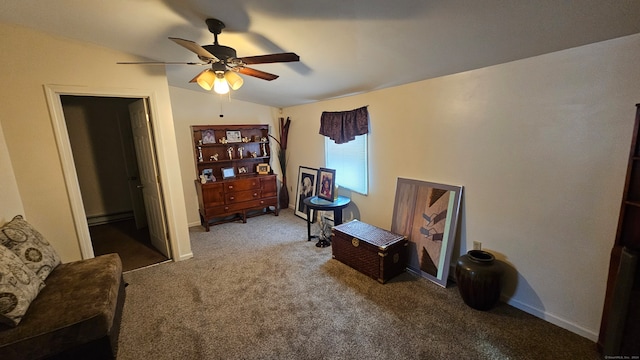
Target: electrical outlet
(477, 245)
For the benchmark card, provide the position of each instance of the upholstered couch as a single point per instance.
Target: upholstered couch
(72, 312)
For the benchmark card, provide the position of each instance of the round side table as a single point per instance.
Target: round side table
(316, 203)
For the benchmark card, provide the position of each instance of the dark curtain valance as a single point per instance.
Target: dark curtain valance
(344, 126)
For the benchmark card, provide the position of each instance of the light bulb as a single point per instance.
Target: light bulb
(220, 84)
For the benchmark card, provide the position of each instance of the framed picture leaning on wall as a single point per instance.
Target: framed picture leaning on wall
(307, 181)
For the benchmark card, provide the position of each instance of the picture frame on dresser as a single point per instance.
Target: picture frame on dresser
(263, 169)
(307, 187)
(234, 136)
(208, 137)
(228, 172)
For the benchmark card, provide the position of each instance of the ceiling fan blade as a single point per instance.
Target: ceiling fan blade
(271, 58)
(158, 63)
(255, 73)
(203, 54)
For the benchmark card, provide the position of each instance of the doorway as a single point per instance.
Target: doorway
(101, 137)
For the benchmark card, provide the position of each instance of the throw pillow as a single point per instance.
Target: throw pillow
(30, 246)
(18, 287)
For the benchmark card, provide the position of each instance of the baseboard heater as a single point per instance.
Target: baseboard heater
(107, 218)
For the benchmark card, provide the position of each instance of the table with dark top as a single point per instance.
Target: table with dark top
(316, 203)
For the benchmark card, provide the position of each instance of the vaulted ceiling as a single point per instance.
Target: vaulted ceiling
(345, 46)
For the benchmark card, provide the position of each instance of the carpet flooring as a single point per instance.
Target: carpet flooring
(261, 291)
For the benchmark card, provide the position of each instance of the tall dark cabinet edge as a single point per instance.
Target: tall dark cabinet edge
(620, 323)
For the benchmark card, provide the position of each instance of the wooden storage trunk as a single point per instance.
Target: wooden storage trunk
(374, 252)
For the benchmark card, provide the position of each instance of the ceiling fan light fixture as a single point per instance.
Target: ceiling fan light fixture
(220, 84)
(234, 80)
(206, 80)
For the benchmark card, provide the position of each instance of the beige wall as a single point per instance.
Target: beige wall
(33, 59)
(540, 146)
(11, 204)
(202, 108)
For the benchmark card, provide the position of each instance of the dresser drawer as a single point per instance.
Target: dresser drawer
(225, 209)
(241, 196)
(261, 203)
(241, 185)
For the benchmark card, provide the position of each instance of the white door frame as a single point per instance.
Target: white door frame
(54, 101)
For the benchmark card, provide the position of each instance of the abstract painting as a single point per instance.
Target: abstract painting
(426, 214)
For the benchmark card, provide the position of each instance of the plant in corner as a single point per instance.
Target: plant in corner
(282, 160)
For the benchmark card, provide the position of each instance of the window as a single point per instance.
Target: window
(350, 162)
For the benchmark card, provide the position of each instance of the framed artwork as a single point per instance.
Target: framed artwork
(228, 172)
(306, 188)
(427, 214)
(234, 136)
(208, 137)
(263, 169)
(326, 185)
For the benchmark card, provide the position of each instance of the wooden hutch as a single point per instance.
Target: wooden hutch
(233, 177)
(620, 326)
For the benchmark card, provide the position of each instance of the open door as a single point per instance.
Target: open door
(149, 178)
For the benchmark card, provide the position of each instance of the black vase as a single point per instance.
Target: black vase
(479, 278)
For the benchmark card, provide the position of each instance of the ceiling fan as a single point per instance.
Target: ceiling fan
(224, 62)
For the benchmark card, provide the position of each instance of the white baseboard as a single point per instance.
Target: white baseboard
(541, 314)
(554, 319)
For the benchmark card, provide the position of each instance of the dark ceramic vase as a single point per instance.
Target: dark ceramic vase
(479, 278)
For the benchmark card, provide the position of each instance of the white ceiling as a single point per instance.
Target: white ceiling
(345, 46)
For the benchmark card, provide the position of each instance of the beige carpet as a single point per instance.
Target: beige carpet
(260, 291)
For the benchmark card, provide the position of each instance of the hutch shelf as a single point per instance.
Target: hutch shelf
(234, 180)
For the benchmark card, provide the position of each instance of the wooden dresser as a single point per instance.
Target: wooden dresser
(234, 199)
(234, 180)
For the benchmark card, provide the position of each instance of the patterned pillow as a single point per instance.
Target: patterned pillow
(18, 287)
(30, 246)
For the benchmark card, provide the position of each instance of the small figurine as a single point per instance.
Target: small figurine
(203, 179)
(264, 149)
(214, 157)
(254, 154)
(263, 139)
(223, 140)
(230, 152)
(240, 150)
(200, 154)
(245, 139)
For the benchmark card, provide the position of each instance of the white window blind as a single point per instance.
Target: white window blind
(350, 162)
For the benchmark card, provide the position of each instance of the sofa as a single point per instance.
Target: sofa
(75, 312)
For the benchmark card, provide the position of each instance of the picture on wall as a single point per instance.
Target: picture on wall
(427, 214)
(306, 188)
(327, 178)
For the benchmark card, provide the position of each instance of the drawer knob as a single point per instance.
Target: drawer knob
(355, 242)
(255, 195)
(230, 186)
(232, 197)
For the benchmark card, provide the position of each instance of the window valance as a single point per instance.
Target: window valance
(344, 126)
